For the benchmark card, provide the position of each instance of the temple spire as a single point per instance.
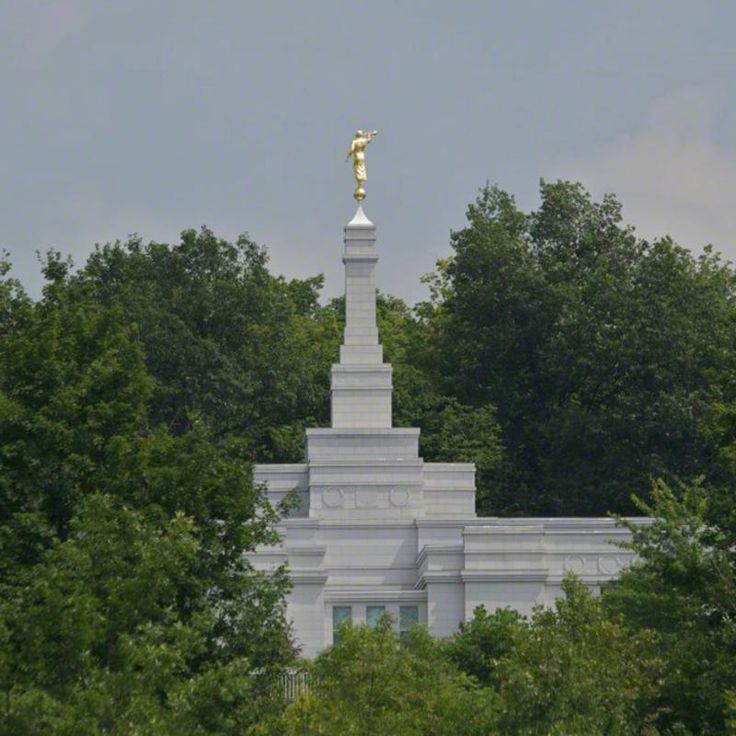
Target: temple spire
(361, 381)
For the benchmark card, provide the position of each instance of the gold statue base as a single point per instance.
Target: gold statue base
(359, 194)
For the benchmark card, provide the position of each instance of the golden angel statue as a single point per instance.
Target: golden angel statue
(357, 151)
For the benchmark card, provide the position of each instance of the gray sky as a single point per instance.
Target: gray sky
(152, 117)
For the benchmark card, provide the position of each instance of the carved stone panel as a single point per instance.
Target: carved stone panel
(333, 498)
(610, 564)
(366, 499)
(398, 497)
(574, 563)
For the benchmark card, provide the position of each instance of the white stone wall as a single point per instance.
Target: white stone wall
(496, 564)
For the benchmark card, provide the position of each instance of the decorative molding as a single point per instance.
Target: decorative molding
(333, 498)
(412, 464)
(368, 568)
(280, 468)
(298, 523)
(573, 563)
(599, 530)
(351, 595)
(443, 467)
(438, 549)
(457, 522)
(308, 577)
(333, 432)
(611, 564)
(366, 498)
(399, 497)
(369, 463)
(527, 530)
(439, 576)
(507, 576)
(305, 551)
(588, 579)
(366, 523)
(550, 526)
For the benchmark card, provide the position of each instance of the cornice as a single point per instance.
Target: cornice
(355, 595)
(439, 576)
(507, 576)
(308, 577)
(361, 431)
(438, 549)
(317, 550)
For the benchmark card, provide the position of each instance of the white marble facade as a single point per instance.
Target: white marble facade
(379, 530)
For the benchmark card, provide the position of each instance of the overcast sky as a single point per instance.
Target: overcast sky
(152, 117)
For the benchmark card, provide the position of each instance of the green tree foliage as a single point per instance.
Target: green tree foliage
(684, 588)
(107, 635)
(570, 360)
(223, 339)
(368, 683)
(484, 641)
(451, 431)
(604, 357)
(127, 596)
(570, 670)
(575, 671)
(73, 387)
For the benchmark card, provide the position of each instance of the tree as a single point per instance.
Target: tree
(602, 356)
(113, 632)
(73, 386)
(369, 683)
(568, 670)
(484, 641)
(450, 430)
(224, 340)
(684, 588)
(123, 538)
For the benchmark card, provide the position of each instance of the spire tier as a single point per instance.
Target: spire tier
(361, 381)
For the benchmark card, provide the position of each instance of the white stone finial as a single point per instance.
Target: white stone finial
(360, 219)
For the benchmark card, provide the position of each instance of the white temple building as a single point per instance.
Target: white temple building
(378, 530)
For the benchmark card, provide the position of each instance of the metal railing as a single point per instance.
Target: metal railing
(296, 683)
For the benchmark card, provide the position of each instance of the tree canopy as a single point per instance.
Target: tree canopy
(368, 682)
(125, 517)
(571, 360)
(606, 360)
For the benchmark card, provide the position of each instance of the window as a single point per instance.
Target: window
(340, 615)
(408, 617)
(373, 614)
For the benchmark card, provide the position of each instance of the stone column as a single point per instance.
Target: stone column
(361, 381)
